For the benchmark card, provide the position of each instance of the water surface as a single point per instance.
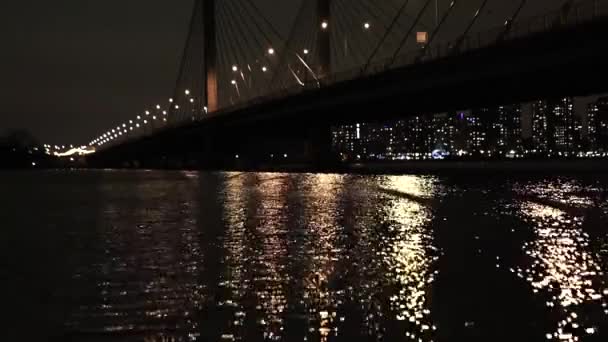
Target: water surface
(187, 256)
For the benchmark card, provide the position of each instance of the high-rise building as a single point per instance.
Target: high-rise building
(601, 124)
(562, 120)
(592, 126)
(508, 128)
(378, 140)
(413, 138)
(348, 141)
(459, 125)
(444, 133)
(478, 130)
(580, 136)
(540, 126)
(343, 141)
(553, 125)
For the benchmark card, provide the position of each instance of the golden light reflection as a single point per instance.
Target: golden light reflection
(321, 196)
(271, 277)
(566, 192)
(234, 280)
(419, 186)
(563, 269)
(407, 256)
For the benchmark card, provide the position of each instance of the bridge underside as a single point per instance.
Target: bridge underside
(572, 62)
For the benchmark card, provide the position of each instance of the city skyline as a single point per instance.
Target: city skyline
(557, 129)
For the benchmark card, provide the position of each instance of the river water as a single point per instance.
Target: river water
(187, 256)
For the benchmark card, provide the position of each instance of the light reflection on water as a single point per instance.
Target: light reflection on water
(320, 298)
(146, 280)
(407, 256)
(564, 269)
(269, 267)
(309, 257)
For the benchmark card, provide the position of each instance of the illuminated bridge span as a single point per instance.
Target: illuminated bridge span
(247, 92)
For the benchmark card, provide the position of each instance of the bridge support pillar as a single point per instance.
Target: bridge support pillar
(210, 51)
(319, 151)
(325, 24)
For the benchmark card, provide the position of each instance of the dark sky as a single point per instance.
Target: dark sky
(69, 68)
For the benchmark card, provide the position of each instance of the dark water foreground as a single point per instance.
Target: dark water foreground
(177, 256)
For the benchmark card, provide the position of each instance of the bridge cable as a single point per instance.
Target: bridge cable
(246, 44)
(382, 12)
(184, 79)
(284, 44)
(229, 52)
(261, 15)
(349, 23)
(180, 72)
(269, 43)
(386, 34)
(304, 61)
(277, 78)
(340, 29)
(242, 34)
(509, 22)
(366, 40)
(409, 31)
(239, 55)
(377, 19)
(194, 63)
(456, 46)
(437, 29)
(224, 49)
(188, 80)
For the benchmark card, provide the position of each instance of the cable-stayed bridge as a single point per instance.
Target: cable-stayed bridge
(247, 92)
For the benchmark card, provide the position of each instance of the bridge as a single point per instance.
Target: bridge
(248, 95)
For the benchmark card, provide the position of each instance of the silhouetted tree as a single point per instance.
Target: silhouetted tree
(20, 149)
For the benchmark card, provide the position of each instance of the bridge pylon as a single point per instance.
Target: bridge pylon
(210, 53)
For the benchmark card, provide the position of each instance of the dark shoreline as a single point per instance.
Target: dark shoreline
(523, 166)
(452, 167)
(556, 167)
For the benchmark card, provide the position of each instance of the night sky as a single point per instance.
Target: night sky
(69, 68)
